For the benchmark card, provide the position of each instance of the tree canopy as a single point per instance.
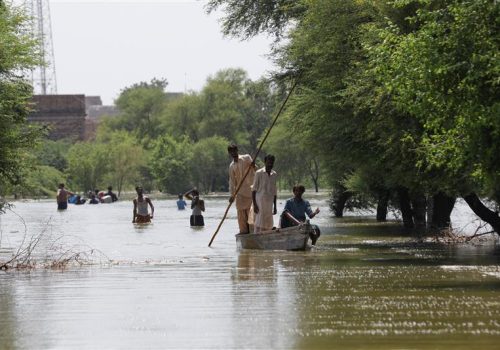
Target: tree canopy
(17, 55)
(397, 97)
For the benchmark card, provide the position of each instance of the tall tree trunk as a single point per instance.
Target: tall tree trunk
(429, 210)
(211, 186)
(419, 205)
(483, 211)
(340, 204)
(314, 173)
(340, 196)
(405, 207)
(382, 204)
(442, 206)
(121, 180)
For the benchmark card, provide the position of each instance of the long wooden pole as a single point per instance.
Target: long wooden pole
(254, 158)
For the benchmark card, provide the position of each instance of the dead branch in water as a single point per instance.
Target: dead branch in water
(56, 255)
(451, 235)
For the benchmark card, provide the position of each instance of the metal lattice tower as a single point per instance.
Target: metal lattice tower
(44, 76)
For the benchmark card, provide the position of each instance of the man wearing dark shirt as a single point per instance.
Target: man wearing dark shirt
(296, 209)
(110, 193)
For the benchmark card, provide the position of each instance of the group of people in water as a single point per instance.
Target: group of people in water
(142, 215)
(253, 190)
(65, 196)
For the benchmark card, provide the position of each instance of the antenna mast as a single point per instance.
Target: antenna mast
(44, 76)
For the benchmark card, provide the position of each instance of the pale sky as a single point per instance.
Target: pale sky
(103, 46)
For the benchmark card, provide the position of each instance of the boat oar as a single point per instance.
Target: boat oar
(254, 158)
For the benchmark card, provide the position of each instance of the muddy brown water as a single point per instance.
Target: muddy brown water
(159, 286)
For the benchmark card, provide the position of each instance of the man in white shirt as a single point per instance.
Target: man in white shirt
(264, 193)
(237, 170)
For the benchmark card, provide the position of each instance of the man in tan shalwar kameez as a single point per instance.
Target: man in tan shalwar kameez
(237, 170)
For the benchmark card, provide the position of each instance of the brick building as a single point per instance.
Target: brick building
(64, 115)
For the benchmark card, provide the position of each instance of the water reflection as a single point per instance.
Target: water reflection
(255, 266)
(198, 228)
(263, 304)
(7, 312)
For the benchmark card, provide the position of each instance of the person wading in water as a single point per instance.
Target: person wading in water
(197, 205)
(62, 197)
(141, 214)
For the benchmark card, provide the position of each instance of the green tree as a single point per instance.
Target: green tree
(262, 99)
(171, 164)
(140, 106)
(88, 164)
(247, 18)
(18, 54)
(52, 153)
(346, 136)
(230, 105)
(40, 181)
(327, 113)
(291, 159)
(209, 167)
(126, 158)
(182, 116)
(223, 103)
(403, 95)
(445, 74)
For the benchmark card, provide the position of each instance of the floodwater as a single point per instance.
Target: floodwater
(159, 286)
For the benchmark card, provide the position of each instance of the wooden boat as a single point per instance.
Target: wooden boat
(290, 238)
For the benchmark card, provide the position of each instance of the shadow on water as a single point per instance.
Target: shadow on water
(477, 286)
(7, 313)
(388, 243)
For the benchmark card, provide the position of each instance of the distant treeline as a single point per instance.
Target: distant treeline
(168, 143)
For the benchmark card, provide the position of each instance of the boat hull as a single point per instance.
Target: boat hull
(290, 238)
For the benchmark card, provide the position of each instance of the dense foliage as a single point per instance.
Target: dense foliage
(17, 55)
(400, 99)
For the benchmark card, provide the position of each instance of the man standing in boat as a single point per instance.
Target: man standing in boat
(264, 193)
(237, 170)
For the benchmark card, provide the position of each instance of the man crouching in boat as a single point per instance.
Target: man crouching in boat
(295, 212)
(141, 214)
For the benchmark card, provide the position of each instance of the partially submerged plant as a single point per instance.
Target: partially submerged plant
(452, 235)
(42, 250)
